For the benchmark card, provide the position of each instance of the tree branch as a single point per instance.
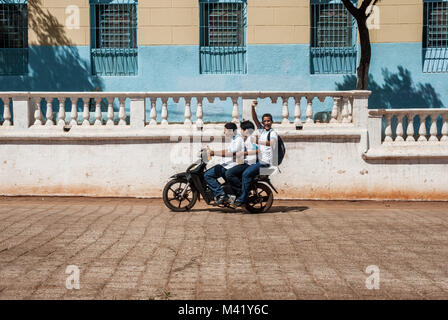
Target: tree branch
(351, 8)
(373, 4)
(364, 5)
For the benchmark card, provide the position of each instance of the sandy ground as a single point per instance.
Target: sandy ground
(137, 249)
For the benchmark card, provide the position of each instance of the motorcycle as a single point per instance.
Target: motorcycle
(185, 188)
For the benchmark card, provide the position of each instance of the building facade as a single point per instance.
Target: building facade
(224, 45)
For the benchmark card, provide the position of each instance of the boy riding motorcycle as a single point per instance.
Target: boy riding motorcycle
(267, 142)
(235, 144)
(249, 155)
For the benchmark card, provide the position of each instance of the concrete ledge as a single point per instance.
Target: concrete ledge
(438, 151)
(160, 133)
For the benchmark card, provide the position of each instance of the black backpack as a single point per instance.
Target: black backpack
(281, 149)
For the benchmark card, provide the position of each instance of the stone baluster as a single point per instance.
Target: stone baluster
(38, 117)
(297, 112)
(98, 114)
(7, 112)
(122, 112)
(410, 129)
(399, 130)
(235, 111)
(285, 111)
(335, 111)
(199, 114)
(350, 110)
(444, 128)
(388, 130)
(345, 111)
(153, 112)
(164, 111)
(74, 112)
(309, 110)
(86, 112)
(49, 113)
(433, 128)
(61, 112)
(187, 114)
(422, 129)
(110, 112)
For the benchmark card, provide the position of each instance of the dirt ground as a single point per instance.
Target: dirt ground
(137, 249)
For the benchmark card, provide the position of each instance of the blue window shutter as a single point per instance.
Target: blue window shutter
(333, 48)
(435, 36)
(13, 37)
(114, 46)
(223, 36)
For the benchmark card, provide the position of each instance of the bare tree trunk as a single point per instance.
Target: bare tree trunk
(366, 53)
(361, 16)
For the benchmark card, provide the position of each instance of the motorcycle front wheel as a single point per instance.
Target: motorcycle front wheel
(179, 196)
(260, 198)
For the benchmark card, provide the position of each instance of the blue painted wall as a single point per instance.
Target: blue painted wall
(397, 79)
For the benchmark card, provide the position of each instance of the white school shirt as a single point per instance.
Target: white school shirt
(236, 145)
(249, 145)
(266, 153)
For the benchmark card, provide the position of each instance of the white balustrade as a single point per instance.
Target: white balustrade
(6, 112)
(187, 114)
(422, 129)
(74, 112)
(38, 116)
(285, 111)
(61, 112)
(411, 115)
(388, 131)
(433, 129)
(346, 111)
(110, 111)
(410, 129)
(92, 107)
(297, 112)
(235, 111)
(334, 111)
(444, 128)
(153, 113)
(86, 112)
(309, 110)
(49, 113)
(121, 112)
(164, 111)
(399, 129)
(199, 114)
(98, 114)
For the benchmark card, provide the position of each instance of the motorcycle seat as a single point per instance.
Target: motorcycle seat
(266, 172)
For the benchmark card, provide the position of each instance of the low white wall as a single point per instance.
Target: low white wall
(322, 163)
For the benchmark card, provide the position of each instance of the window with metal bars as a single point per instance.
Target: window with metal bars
(13, 37)
(333, 38)
(222, 36)
(114, 49)
(435, 36)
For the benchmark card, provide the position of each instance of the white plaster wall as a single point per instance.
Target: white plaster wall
(314, 168)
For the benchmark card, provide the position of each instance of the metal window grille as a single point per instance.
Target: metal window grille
(114, 48)
(435, 36)
(222, 36)
(333, 38)
(13, 37)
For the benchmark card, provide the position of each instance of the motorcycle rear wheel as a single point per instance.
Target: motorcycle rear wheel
(260, 198)
(173, 198)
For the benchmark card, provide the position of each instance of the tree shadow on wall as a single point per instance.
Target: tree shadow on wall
(397, 92)
(55, 63)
